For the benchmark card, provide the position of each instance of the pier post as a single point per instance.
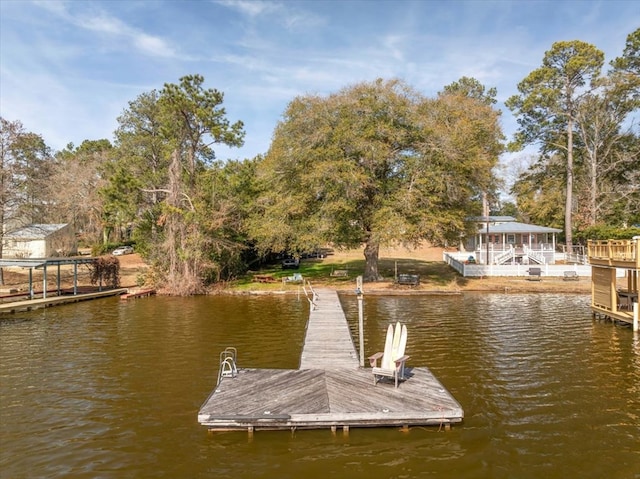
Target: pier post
(360, 294)
(635, 317)
(44, 281)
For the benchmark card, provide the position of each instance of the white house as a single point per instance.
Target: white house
(503, 240)
(40, 241)
(504, 247)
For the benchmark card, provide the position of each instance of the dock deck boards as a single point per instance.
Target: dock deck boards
(329, 389)
(328, 343)
(314, 398)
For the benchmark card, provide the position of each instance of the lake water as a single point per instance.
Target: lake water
(111, 389)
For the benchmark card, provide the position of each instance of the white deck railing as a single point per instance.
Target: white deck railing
(458, 261)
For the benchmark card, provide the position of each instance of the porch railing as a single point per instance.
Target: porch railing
(458, 261)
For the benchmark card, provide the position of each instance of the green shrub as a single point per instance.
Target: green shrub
(605, 232)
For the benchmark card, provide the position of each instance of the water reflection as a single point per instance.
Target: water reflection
(112, 388)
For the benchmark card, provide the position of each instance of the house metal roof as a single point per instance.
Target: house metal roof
(492, 219)
(35, 231)
(515, 227)
(41, 262)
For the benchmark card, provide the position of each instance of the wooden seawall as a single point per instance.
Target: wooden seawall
(329, 390)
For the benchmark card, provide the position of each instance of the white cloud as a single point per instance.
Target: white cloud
(151, 45)
(97, 20)
(288, 14)
(250, 8)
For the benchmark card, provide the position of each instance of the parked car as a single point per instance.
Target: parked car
(120, 250)
(290, 263)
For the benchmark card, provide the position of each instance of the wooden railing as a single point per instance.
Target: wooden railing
(614, 251)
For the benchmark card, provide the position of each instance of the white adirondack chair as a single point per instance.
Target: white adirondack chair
(393, 357)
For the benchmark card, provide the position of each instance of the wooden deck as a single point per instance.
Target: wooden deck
(329, 390)
(623, 254)
(609, 299)
(315, 399)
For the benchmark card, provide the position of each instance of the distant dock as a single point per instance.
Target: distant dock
(139, 293)
(329, 390)
(38, 303)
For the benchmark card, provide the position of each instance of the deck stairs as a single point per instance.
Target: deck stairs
(505, 256)
(535, 256)
(510, 255)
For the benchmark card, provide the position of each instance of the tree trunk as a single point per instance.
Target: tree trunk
(183, 274)
(593, 216)
(1, 240)
(371, 252)
(568, 221)
(172, 243)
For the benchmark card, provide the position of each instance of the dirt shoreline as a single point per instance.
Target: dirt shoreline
(421, 261)
(492, 285)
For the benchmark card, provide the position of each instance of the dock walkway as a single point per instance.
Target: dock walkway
(329, 390)
(328, 343)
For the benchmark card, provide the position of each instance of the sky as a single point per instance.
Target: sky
(68, 69)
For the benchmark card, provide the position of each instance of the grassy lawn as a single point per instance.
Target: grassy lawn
(319, 272)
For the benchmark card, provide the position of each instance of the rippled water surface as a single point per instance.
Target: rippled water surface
(112, 388)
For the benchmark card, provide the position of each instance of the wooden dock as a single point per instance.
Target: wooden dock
(329, 390)
(328, 343)
(140, 293)
(31, 304)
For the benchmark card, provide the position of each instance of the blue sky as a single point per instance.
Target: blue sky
(69, 68)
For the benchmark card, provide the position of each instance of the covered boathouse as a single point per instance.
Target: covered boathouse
(612, 297)
(13, 301)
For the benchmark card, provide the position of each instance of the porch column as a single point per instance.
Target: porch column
(613, 292)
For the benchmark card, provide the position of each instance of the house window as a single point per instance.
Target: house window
(511, 239)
